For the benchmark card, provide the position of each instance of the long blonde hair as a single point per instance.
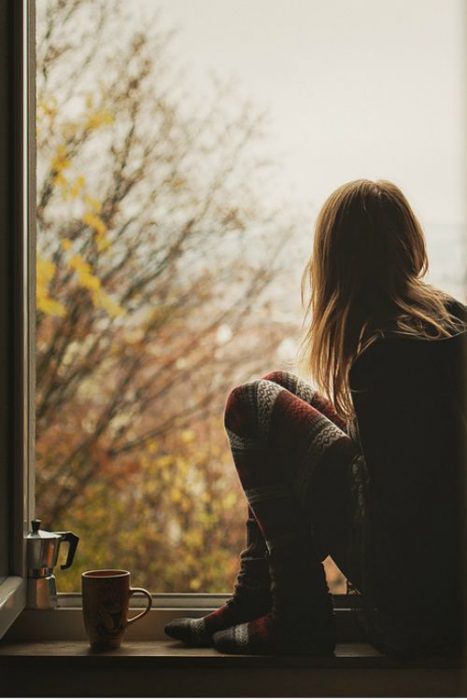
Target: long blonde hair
(363, 279)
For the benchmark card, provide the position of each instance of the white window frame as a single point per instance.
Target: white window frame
(17, 202)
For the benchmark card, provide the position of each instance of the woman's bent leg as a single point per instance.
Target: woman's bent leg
(252, 597)
(277, 441)
(335, 490)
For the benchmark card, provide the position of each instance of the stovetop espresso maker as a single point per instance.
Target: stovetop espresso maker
(42, 553)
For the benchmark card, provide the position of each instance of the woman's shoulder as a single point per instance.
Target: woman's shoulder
(456, 314)
(391, 351)
(457, 309)
(370, 360)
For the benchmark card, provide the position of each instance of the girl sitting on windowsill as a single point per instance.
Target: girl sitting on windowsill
(369, 470)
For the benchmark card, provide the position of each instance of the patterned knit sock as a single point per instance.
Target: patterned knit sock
(301, 620)
(251, 597)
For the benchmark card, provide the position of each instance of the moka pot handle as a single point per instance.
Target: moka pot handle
(72, 540)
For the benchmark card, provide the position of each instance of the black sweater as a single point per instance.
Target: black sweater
(409, 398)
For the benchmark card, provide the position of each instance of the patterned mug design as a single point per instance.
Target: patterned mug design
(110, 619)
(106, 597)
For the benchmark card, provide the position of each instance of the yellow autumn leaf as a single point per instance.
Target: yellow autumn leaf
(48, 107)
(207, 520)
(151, 487)
(86, 279)
(186, 505)
(102, 243)
(104, 301)
(78, 263)
(60, 180)
(60, 161)
(45, 270)
(194, 538)
(189, 560)
(50, 306)
(66, 244)
(95, 222)
(95, 120)
(229, 500)
(89, 281)
(152, 446)
(94, 204)
(69, 129)
(77, 186)
(175, 495)
(164, 461)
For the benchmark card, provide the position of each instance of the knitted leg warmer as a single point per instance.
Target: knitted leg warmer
(277, 439)
(307, 393)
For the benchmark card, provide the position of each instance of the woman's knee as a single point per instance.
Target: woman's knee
(276, 376)
(240, 408)
(287, 380)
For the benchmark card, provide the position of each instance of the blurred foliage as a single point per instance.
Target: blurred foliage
(155, 254)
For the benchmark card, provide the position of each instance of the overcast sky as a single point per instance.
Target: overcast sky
(355, 88)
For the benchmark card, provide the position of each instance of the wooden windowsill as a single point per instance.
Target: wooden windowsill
(168, 653)
(174, 653)
(168, 669)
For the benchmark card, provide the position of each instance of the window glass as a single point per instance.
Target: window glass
(184, 148)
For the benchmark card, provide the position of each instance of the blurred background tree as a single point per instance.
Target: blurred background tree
(155, 259)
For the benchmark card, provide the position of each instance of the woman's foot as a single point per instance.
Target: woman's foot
(270, 635)
(301, 619)
(251, 597)
(198, 632)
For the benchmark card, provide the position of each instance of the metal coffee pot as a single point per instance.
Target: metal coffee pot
(42, 554)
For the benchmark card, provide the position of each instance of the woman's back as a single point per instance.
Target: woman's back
(409, 398)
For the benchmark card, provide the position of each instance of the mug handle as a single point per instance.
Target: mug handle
(148, 608)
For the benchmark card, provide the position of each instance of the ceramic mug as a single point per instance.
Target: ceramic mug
(106, 597)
